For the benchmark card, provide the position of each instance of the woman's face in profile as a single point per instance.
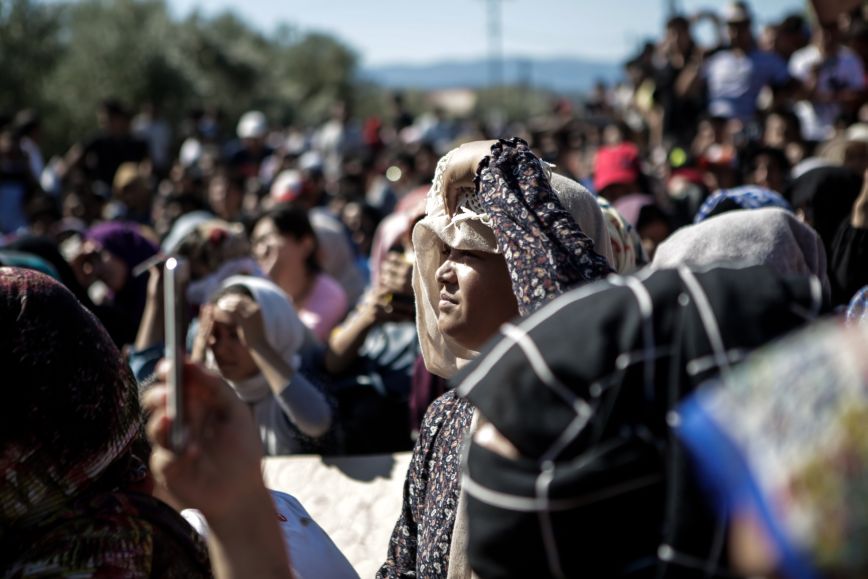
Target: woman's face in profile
(476, 296)
(279, 256)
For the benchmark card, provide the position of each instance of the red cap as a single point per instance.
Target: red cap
(616, 164)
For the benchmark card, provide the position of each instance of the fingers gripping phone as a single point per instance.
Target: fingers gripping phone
(176, 273)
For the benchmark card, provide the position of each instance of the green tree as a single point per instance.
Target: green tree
(63, 58)
(313, 74)
(228, 61)
(29, 47)
(125, 49)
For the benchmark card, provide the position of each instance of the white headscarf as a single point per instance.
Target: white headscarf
(283, 329)
(469, 229)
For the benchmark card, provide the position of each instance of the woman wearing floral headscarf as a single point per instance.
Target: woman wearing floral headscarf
(501, 237)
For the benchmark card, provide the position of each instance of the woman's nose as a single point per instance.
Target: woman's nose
(445, 274)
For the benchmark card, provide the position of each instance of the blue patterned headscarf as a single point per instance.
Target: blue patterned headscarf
(745, 197)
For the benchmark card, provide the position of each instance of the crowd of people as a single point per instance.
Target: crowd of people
(622, 339)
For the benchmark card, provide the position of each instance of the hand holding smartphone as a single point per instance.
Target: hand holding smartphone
(176, 272)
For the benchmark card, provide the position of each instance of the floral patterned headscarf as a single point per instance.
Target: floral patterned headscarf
(745, 197)
(549, 229)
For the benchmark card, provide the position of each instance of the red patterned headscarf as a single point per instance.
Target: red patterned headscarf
(70, 405)
(72, 450)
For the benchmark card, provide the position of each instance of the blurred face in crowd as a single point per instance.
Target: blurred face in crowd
(678, 35)
(775, 132)
(828, 38)
(476, 296)
(790, 37)
(653, 234)
(254, 144)
(225, 197)
(711, 131)
(767, 38)
(282, 257)
(136, 196)
(91, 262)
(739, 34)
(82, 205)
(113, 122)
(426, 162)
(361, 225)
(232, 356)
(313, 188)
(767, 172)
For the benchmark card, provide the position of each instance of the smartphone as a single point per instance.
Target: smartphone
(143, 267)
(176, 274)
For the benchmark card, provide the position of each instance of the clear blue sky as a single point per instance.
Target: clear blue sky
(414, 31)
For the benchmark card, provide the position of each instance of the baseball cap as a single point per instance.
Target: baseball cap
(616, 164)
(252, 125)
(287, 186)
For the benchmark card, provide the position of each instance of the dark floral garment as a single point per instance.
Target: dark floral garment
(546, 254)
(419, 546)
(544, 248)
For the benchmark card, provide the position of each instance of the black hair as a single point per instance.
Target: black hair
(650, 214)
(115, 108)
(678, 21)
(43, 205)
(234, 289)
(791, 118)
(776, 155)
(793, 24)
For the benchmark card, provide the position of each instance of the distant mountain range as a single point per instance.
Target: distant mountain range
(559, 74)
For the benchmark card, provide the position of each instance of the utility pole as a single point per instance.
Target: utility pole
(495, 43)
(671, 8)
(494, 15)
